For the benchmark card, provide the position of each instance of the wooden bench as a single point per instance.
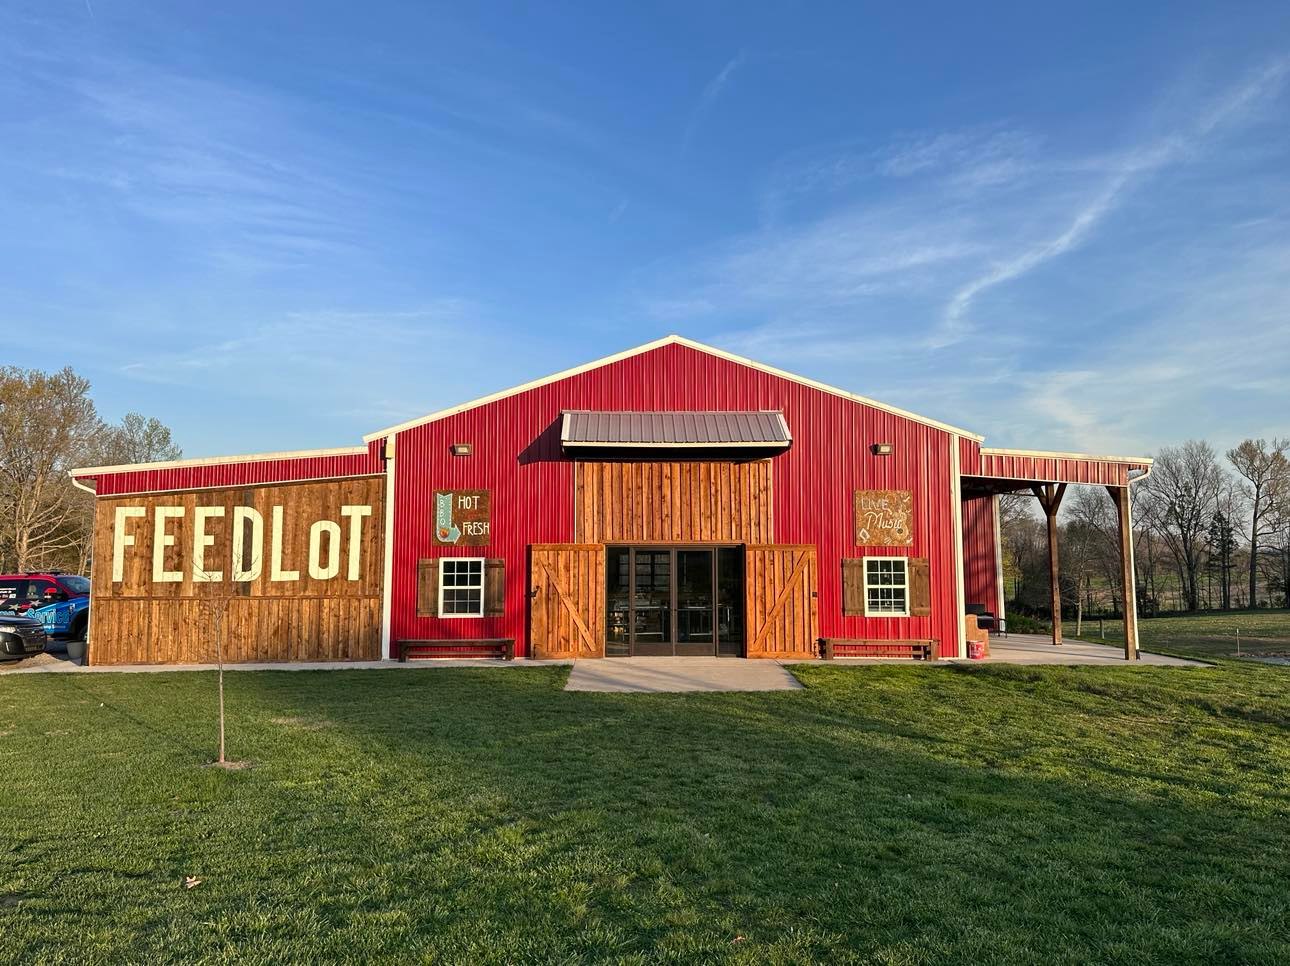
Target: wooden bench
(494, 647)
(833, 647)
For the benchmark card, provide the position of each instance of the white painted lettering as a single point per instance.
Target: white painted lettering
(161, 539)
(247, 566)
(356, 515)
(317, 570)
(202, 540)
(121, 539)
(276, 571)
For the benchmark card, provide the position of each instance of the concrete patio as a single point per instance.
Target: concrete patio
(1039, 649)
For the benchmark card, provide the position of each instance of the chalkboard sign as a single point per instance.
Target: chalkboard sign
(461, 518)
(884, 518)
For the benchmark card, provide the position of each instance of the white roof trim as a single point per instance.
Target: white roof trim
(1050, 455)
(657, 344)
(217, 460)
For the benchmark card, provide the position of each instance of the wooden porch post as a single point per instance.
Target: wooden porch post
(1050, 498)
(1128, 578)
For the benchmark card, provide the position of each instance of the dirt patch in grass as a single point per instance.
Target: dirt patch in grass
(304, 724)
(231, 765)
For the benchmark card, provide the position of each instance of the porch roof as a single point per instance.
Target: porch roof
(674, 430)
(1008, 470)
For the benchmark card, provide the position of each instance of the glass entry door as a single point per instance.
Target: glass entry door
(674, 601)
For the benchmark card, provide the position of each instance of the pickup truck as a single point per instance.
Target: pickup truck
(59, 601)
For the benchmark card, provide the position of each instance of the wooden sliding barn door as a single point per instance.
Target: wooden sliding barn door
(567, 600)
(782, 611)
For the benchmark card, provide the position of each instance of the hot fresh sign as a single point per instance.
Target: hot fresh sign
(335, 546)
(461, 518)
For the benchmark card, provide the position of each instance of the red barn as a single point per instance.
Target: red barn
(673, 499)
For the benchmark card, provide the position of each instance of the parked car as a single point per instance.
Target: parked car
(20, 636)
(59, 601)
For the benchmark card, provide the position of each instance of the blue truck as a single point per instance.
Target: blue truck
(60, 601)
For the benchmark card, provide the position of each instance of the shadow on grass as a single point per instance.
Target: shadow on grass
(839, 812)
(903, 814)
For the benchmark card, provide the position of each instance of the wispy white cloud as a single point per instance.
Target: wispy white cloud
(321, 345)
(882, 264)
(711, 93)
(1136, 167)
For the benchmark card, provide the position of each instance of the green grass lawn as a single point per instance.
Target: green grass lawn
(1210, 635)
(896, 814)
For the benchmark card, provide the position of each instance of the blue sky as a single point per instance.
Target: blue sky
(282, 225)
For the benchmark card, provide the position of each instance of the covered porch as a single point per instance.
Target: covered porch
(1047, 476)
(1038, 649)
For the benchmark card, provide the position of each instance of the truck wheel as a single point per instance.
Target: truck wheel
(80, 623)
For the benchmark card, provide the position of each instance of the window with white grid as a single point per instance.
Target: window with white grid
(461, 587)
(886, 587)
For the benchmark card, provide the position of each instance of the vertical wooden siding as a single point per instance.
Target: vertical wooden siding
(139, 621)
(567, 597)
(783, 618)
(673, 502)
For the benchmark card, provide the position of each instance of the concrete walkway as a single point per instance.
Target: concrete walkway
(651, 675)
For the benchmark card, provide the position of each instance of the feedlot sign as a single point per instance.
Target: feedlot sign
(461, 518)
(884, 518)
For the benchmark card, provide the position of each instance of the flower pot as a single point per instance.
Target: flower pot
(76, 651)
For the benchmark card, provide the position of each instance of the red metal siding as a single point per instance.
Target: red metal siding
(241, 473)
(517, 456)
(980, 577)
(1054, 469)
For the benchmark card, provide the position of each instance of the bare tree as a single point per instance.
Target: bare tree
(136, 439)
(44, 423)
(1265, 472)
(1084, 542)
(139, 439)
(1183, 491)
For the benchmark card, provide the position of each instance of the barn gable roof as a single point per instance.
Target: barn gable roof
(649, 347)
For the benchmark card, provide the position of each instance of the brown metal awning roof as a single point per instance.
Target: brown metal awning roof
(675, 430)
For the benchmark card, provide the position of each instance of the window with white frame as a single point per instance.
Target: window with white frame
(461, 587)
(886, 587)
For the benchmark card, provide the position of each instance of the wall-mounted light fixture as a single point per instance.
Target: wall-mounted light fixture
(880, 449)
(463, 449)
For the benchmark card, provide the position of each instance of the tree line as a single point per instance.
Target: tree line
(1211, 532)
(48, 425)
